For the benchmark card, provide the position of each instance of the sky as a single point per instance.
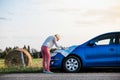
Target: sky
(30, 22)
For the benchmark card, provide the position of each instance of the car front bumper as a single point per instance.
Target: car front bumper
(56, 61)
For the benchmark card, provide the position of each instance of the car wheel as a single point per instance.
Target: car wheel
(71, 64)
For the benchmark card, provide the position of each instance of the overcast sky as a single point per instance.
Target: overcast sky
(29, 22)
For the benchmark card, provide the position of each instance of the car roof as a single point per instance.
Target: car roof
(109, 33)
(112, 33)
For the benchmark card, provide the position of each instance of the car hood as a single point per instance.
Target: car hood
(64, 52)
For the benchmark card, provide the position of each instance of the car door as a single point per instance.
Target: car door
(118, 49)
(103, 52)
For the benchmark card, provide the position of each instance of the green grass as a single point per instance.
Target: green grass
(35, 67)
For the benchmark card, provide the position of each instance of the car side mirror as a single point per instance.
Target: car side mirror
(91, 43)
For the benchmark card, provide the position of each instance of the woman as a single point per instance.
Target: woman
(47, 45)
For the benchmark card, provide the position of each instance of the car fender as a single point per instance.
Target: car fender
(80, 52)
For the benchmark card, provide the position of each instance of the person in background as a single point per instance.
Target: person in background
(45, 49)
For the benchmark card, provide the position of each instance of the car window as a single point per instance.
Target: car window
(105, 39)
(103, 42)
(112, 41)
(119, 38)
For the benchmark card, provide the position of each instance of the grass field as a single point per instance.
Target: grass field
(35, 67)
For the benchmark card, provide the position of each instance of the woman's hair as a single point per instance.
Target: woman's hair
(57, 36)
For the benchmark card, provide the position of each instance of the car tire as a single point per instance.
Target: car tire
(71, 64)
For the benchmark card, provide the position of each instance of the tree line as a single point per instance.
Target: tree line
(33, 52)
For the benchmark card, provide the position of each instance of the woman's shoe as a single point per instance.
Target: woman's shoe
(44, 71)
(49, 72)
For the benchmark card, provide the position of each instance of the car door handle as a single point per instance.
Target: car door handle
(111, 49)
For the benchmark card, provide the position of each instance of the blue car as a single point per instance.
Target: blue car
(101, 51)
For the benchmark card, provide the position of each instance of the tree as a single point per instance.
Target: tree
(5, 52)
(24, 47)
(28, 49)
